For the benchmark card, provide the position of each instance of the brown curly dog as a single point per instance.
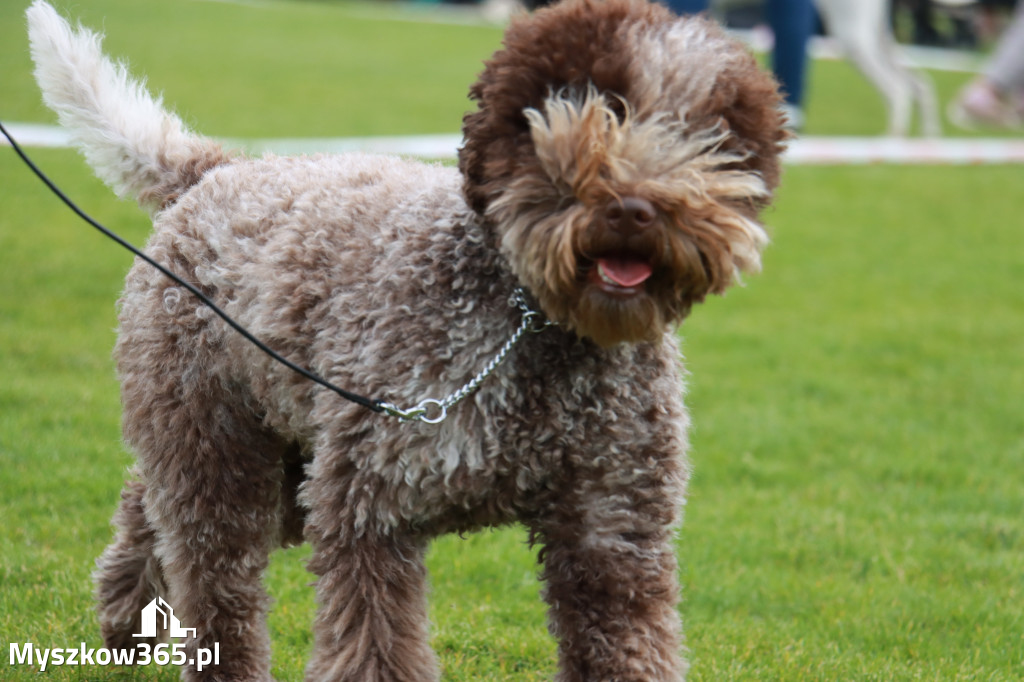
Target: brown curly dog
(614, 171)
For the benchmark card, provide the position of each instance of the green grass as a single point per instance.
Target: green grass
(283, 69)
(856, 510)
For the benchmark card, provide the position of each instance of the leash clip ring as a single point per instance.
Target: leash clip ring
(431, 405)
(418, 413)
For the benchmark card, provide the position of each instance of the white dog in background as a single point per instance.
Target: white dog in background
(862, 29)
(864, 35)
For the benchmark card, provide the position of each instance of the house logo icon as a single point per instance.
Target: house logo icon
(158, 614)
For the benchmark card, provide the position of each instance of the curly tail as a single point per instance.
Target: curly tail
(137, 147)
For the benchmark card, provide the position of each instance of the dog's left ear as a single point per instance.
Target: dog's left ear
(745, 101)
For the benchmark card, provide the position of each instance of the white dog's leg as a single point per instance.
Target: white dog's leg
(862, 28)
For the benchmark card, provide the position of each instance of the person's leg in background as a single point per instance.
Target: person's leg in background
(688, 6)
(792, 22)
(996, 98)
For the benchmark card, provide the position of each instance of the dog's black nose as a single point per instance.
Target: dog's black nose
(630, 214)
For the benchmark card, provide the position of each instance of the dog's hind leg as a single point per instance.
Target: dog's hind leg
(923, 91)
(928, 104)
(213, 476)
(128, 575)
(215, 507)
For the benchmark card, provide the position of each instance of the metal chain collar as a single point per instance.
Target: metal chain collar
(434, 411)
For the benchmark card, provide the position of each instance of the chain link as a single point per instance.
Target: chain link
(434, 411)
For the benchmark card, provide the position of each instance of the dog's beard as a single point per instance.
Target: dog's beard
(608, 320)
(554, 228)
(557, 254)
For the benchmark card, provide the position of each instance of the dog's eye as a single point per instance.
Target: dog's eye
(617, 106)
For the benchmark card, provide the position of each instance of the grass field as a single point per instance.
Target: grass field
(857, 511)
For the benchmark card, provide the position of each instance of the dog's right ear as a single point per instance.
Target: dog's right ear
(491, 147)
(571, 46)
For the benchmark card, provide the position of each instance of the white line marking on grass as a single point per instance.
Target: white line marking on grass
(895, 150)
(36, 135)
(804, 150)
(425, 146)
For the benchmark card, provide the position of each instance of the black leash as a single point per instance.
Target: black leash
(375, 405)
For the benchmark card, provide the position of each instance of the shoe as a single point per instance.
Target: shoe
(792, 117)
(980, 106)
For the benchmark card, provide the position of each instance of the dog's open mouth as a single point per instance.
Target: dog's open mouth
(621, 274)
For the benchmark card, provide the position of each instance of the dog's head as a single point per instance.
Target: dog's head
(621, 156)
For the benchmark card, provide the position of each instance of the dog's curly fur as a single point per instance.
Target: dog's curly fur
(615, 168)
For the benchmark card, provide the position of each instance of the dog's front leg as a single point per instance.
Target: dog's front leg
(372, 621)
(610, 573)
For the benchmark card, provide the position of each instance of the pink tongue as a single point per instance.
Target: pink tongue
(626, 272)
